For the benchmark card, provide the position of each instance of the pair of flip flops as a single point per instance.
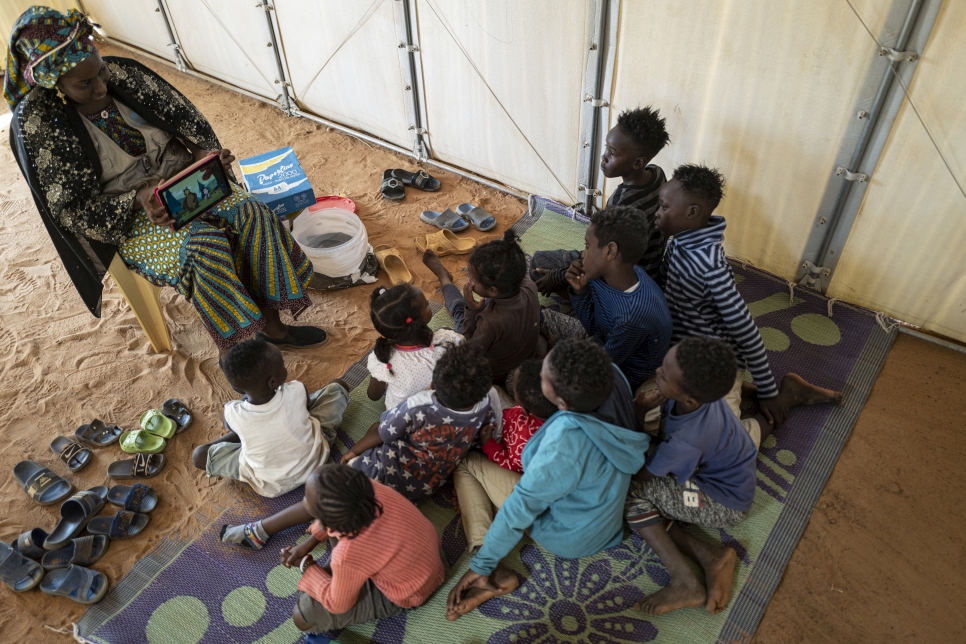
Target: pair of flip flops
(465, 215)
(394, 183)
(79, 512)
(156, 426)
(445, 243)
(75, 582)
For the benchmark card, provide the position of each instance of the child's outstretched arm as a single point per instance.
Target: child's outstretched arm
(370, 440)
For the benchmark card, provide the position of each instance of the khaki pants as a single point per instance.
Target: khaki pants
(481, 484)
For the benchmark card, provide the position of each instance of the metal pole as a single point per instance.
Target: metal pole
(594, 161)
(287, 102)
(874, 113)
(953, 346)
(420, 149)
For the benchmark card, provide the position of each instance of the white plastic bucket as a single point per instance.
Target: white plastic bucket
(313, 231)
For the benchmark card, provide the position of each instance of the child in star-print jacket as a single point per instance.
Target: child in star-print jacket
(416, 445)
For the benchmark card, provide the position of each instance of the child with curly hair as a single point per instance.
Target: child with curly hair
(628, 150)
(506, 322)
(402, 361)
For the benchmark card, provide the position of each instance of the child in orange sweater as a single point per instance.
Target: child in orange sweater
(385, 556)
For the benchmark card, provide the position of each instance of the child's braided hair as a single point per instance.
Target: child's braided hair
(501, 264)
(346, 500)
(396, 315)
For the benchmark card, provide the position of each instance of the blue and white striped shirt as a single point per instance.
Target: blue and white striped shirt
(634, 328)
(700, 290)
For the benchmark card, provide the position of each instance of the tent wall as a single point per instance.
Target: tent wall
(136, 22)
(905, 252)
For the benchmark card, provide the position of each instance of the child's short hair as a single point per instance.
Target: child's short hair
(646, 127)
(462, 376)
(396, 315)
(501, 264)
(527, 389)
(242, 362)
(708, 368)
(625, 226)
(346, 501)
(701, 182)
(581, 374)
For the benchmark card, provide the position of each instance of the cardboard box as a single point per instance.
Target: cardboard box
(277, 179)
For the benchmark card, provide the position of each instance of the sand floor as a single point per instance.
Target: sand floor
(882, 559)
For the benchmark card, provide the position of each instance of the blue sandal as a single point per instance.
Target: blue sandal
(447, 220)
(79, 552)
(31, 544)
(18, 572)
(83, 585)
(74, 515)
(479, 218)
(122, 525)
(134, 498)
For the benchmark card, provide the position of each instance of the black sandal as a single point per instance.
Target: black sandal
(74, 455)
(97, 434)
(300, 336)
(176, 411)
(419, 180)
(392, 188)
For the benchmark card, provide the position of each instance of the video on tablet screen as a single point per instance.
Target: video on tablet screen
(194, 194)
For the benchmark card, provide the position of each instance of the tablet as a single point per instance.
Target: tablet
(193, 191)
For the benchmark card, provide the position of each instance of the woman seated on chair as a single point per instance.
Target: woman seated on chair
(94, 138)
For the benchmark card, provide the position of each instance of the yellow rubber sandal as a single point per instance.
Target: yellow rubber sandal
(445, 243)
(392, 263)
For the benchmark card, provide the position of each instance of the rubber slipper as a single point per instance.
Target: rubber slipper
(97, 434)
(176, 411)
(79, 552)
(447, 220)
(135, 498)
(74, 455)
(40, 484)
(478, 218)
(142, 466)
(392, 262)
(300, 336)
(157, 423)
(83, 585)
(18, 572)
(74, 515)
(445, 243)
(392, 188)
(31, 544)
(141, 441)
(122, 525)
(419, 180)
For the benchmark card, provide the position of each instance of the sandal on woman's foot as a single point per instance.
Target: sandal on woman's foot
(141, 441)
(142, 466)
(419, 180)
(18, 572)
(74, 455)
(176, 411)
(40, 484)
(97, 434)
(392, 263)
(79, 552)
(300, 336)
(447, 220)
(392, 188)
(445, 243)
(31, 544)
(479, 218)
(250, 535)
(83, 585)
(122, 525)
(158, 424)
(74, 515)
(135, 498)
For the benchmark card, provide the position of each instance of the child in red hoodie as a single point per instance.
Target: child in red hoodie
(482, 482)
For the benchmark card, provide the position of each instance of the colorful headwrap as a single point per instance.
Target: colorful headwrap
(44, 45)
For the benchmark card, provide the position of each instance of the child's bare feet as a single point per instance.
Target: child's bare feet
(500, 582)
(677, 594)
(797, 392)
(719, 571)
(432, 263)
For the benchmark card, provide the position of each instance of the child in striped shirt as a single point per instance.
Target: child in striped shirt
(700, 290)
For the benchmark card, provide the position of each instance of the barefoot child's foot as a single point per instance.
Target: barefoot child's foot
(719, 571)
(675, 595)
(795, 392)
(432, 262)
(500, 582)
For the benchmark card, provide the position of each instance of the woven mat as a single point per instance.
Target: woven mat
(198, 590)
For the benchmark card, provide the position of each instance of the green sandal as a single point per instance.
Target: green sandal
(141, 441)
(158, 424)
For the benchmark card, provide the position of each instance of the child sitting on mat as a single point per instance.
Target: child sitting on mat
(615, 301)
(385, 556)
(277, 433)
(402, 361)
(506, 323)
(702, 473)
(628, 150)
(700, 290)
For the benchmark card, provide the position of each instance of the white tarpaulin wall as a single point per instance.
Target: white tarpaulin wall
(905, 253)
(768, 92)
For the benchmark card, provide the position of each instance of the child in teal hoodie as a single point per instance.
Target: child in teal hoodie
(576, 473)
